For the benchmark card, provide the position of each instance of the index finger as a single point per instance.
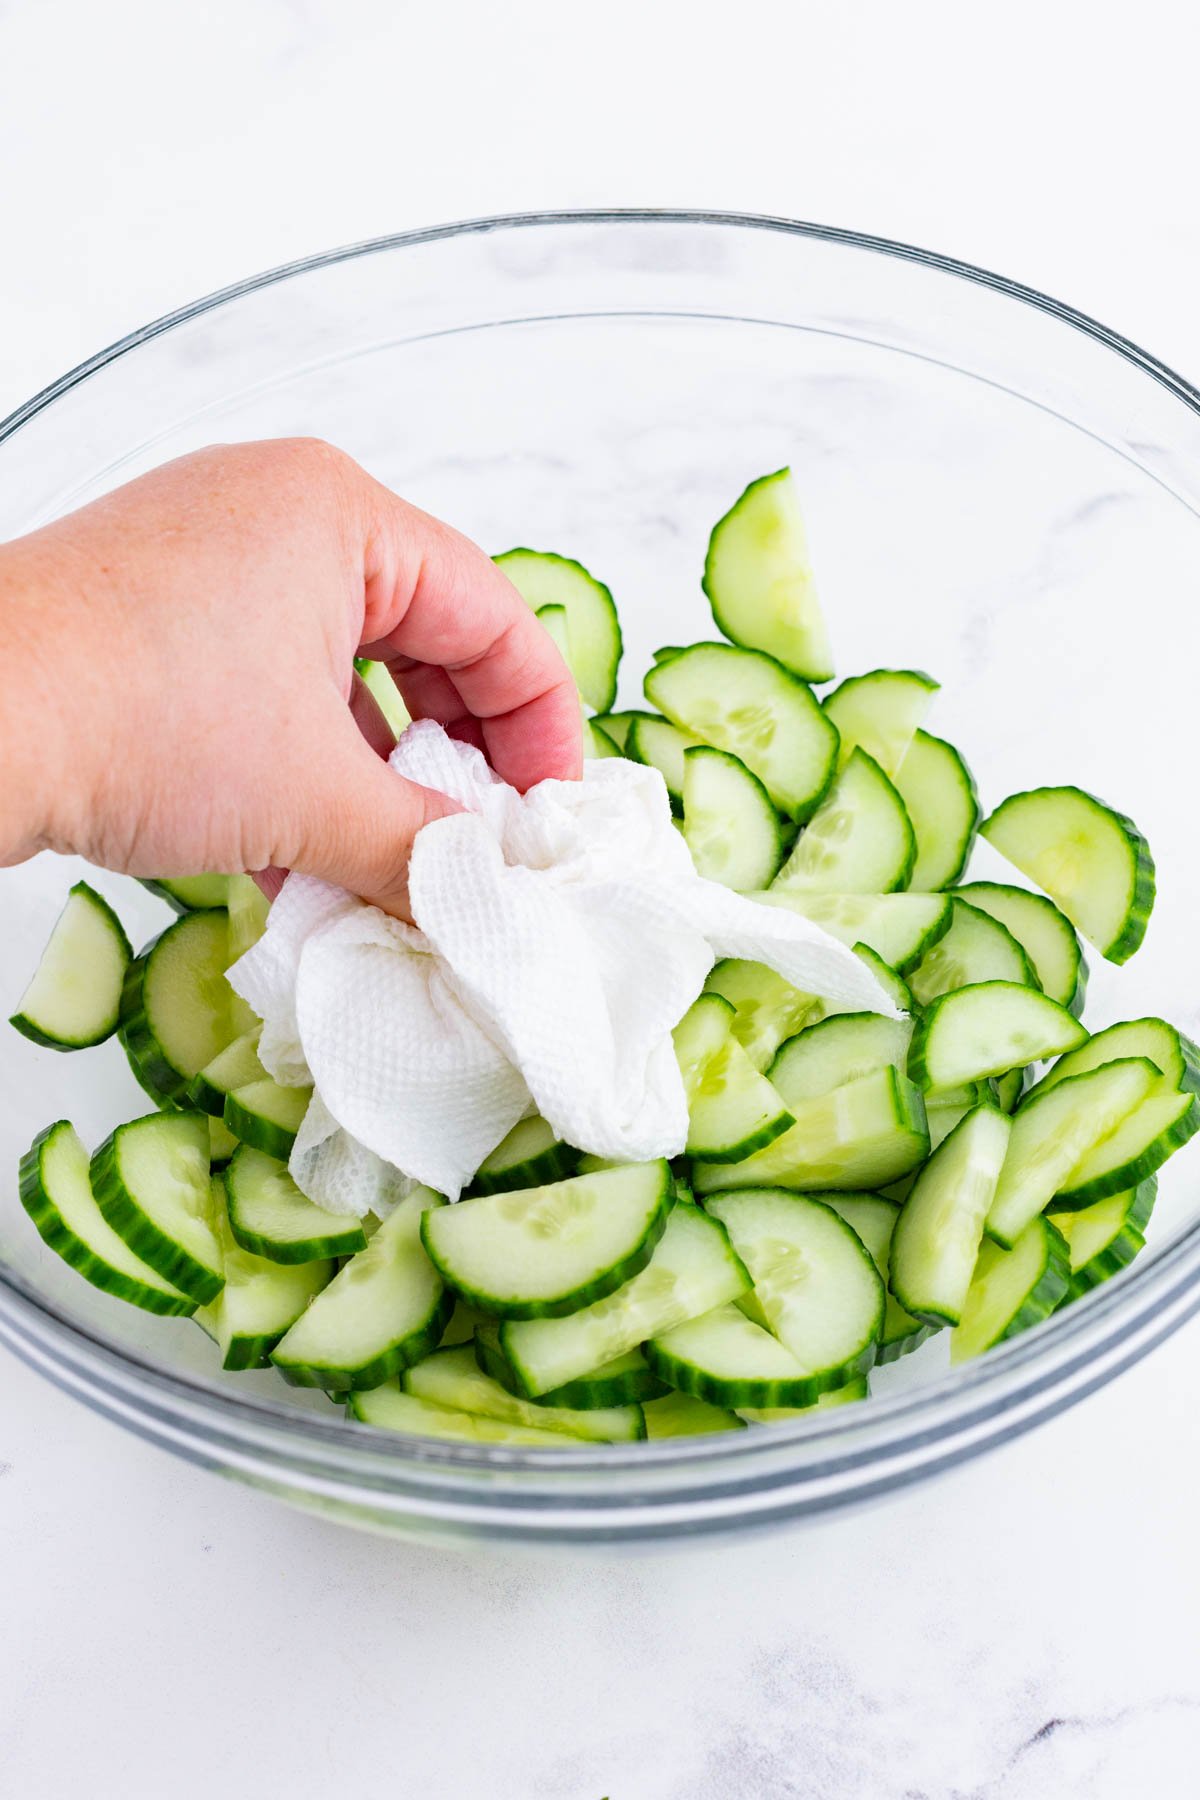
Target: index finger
(434, 598)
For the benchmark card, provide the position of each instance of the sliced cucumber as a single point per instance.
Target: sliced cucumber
(660, 745)
(938, 791)
(732, 1109)
(1045, 934)
(988, 1029)
(837, 1050)
(759, 580)
(893, 985)
(530, 1156)
(729, 824)
(682, 1415)
(623, 1381)
(266, 1115)
(464, 1322)
(377, 678)
(1092, 861)
(862, 1135)
(1104, 1238)
(815, 1281)
(1053, 1131)
(74, 998)
(1175, 1056)
(726, 1359)
(976, 948)
(745, 702)
(56, 1192)
(453, 1378)
(261, 1300)
(899, 928)
(248, 908)
(859, 840)
(271, 1218)
(543, 579)
(936, 1241)
(189, 893)
(693, 1270)
(545, 1251)
(177, 1008)
(1009, 1089)
(1012, 1289)
(386, 1308)
(766, 1008)
(390, 1410)
(873, 1220)
(234, 1067)
(1141, 1144)
(777, 1415)
(150, 1179)
(597, 745)
(881, 713)
(617, 726)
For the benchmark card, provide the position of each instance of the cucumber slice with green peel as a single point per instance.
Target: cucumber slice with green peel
(682, 1415)
(893, 985)
(267, 1116)
(1174, 1055)
(270, 1217)
(777, 1415)
(732, 1109)
(622, 1381)
(766, 1008)
(261, 1300)
(747, 703)
(1051, 1134)
(938, 791)
(936, 1242)
(377, 678)
(759, 579)
(1141, 1144)
(859, 840)
(544, 579)
(658, 744)
(1092, 861)
(235, 1066)
(464, 1322)
(388, 1409)
(839, 1049)
(248, 909)
(221, 1142)
(1012, 1289)
(596, 742)
(813, 1278)
(188, 893)
(665, 652)
(900, 928)
(56, 1192)
(530, 1156)
(1045, 934)
(74, 998)
(1104, 1238)
(862, 1135)
(543, 1252)
(873, 1220)
(150, 1179)
(881, 712)
(1009, 1089)
(617, 726)
(729, 824)
(597, 745)
(987, 1029)
(693, 1269)
(386, 1308)
(726, 1359)
(176, 1006)
(975, 948)
(453, 1378)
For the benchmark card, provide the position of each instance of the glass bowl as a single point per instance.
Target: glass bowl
(999, 490)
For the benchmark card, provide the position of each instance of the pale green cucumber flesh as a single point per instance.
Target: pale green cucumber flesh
(938, 792)
(74, 997)
(453, 1378)
(270, 1217)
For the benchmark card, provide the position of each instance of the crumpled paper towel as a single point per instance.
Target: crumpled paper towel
(561, 935)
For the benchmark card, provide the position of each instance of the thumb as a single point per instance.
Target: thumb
(358, 820)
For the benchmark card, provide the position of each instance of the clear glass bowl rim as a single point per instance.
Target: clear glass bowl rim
(845, 1453)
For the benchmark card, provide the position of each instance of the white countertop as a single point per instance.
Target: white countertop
(1024, 1629)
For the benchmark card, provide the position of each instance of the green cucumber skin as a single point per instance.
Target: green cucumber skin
(250, 1351)
(892, 1349)
(29, 1030)
(160, 892)
(556, 1164)
(201, 1096)
(803, 1391)
(56, 1235)
(1137, 1170)
(709, 587)
(1047, 1293)
(1121, 1250)
(571, 562)
(582, 1395)
(300, 1250)
(918, 1071)
(141, 1234)
(158, 1077)
(757, 1140)
(599, 1288)
(392, 1361)
(144, 1079)
(261, 1134)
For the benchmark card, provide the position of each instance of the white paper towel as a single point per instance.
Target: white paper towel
(562, 934)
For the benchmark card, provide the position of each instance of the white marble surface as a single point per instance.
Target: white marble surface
(1026, 1628)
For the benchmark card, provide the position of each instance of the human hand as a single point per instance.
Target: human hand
(176, 672)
